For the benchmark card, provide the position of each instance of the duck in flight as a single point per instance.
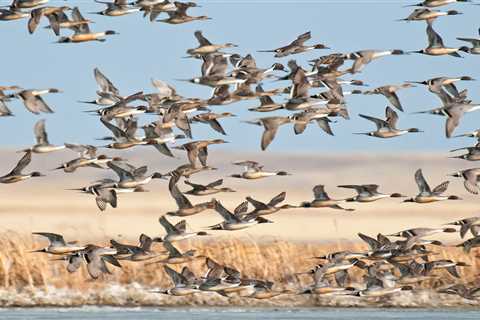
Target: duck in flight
(180, 15)
(475, 42)
(270, 125)
(428, 195)
(185, 207)
(176, 232)
(33, 101)
(368, 193)
(41, 137)
(390, 92)
(387, 128)
(17, 175)
(423, 14)
(436, 3)
(254, 170)
(208, 189)
(237, 220)
(471, 178)
(323, 200)
(436, 47)
(82, 32)
(296, 46)
(206, 47)
(57, 244)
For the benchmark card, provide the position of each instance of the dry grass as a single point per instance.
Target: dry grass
(273, 260)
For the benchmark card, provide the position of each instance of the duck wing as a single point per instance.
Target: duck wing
(319, 193)
(421, 182)
(180, 199)
(201, 39)
(54, 238)
(378, 122)
(257, 204)
(277, 199)
(22, 164)
(441, 188)
(104, 83)
(434, 39)
(40, 132)
(226, 215)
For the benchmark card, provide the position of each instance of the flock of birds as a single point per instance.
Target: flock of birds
(58, 19)
(390, 265)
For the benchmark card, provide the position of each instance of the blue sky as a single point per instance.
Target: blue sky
(145, 50)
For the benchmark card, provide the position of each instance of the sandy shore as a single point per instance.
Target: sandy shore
(44, 205)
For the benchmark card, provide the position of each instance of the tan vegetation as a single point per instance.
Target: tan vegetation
(272, 260)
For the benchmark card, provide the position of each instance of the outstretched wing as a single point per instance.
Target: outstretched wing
(378, 122)
(226, 215)
(177, 195)
(372, 243)
(319, 193)
(201, 39)
(195, 186)
(392, 97)
(173, 252)
(117, 132)
(176, 277)
(277, 199)
(104, 83)
(22, 164)
(257, 204)
(441, 188)
(421, 182)
(40, 132)
(54, 238)
(301, 39)
(434, 39)
(216, 183)
(169, 228)
(268, 136)
(392, 117)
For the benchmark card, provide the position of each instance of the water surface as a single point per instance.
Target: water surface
(106, 313)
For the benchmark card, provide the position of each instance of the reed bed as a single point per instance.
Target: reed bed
(37, 275)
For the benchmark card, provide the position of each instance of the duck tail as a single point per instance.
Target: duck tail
(413, 5)
(470, 135)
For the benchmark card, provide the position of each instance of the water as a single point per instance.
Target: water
(106, 313)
